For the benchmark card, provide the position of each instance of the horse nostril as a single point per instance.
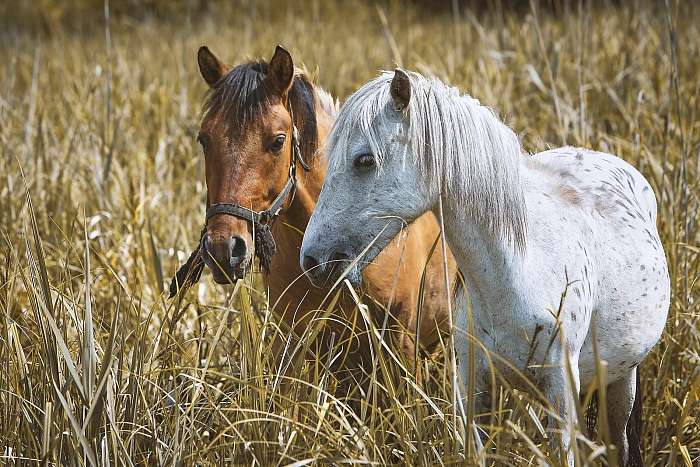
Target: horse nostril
(226, 251)
(340, 257)
(236, 247)
(310, 263)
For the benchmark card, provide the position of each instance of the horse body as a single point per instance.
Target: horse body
(593, 268)
(254, 107)
(559, 251)
(607, 224)
(590, 233)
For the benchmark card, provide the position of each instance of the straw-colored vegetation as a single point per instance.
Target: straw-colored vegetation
(102, 196)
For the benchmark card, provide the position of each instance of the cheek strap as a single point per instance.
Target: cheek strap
(265, 247)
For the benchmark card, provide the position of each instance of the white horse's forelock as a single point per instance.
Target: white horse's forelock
(460, 146)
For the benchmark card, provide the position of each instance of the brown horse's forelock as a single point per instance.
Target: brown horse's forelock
(243, 96)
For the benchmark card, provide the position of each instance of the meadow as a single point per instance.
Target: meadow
(102, 196)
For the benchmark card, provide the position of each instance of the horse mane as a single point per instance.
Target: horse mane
(243, 96)
(327, 102)
(461, 147)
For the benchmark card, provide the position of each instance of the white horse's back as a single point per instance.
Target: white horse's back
(627, 272)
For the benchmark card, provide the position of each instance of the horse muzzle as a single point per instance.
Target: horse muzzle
(227, 257)
(325, 272)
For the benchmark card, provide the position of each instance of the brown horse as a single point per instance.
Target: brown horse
(262, 134)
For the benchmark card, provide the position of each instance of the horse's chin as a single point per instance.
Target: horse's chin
(354, 275)
(231, 275)
(225, 280)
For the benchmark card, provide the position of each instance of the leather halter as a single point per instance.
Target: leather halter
(190, 272)
(265, 216)
(265, 247)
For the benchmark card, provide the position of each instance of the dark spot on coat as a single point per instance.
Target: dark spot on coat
(570, 195)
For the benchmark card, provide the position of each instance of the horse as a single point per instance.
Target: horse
(559, 250)
(263, 131)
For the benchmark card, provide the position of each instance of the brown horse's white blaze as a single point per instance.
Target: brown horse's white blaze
(246, 135)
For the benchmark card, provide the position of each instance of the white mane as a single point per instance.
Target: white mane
(459, 145)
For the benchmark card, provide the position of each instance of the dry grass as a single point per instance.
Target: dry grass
(97, 129)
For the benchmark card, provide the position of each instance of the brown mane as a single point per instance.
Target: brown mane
(243, 95)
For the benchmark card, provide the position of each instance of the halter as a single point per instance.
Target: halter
(266, 216)
(265, 246)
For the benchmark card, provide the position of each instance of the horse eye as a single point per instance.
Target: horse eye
(364, 161)
(277, 143)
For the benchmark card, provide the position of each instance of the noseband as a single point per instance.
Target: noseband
(266, 216)
(265, 246)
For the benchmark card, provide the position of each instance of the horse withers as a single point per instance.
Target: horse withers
(559, 250)
(263, 134)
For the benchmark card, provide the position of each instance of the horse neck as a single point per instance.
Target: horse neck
(487, 260)
(484, 209)
(289, 227)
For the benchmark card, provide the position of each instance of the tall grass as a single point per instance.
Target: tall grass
(102, 196)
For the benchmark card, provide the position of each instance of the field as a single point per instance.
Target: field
(102, 196)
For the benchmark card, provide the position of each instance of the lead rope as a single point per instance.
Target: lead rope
(189, 273)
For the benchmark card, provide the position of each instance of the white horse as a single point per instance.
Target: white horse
(558, 249)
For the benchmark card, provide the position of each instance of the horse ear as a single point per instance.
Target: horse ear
(281, 71)
(400, 90)
(210, 67)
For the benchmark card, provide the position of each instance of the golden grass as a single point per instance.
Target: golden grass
(102, 196)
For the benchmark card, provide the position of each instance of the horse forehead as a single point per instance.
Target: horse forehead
(277, 115)
(383, 131)
(228, 153)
